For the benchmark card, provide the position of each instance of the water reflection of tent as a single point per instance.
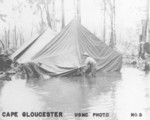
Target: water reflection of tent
(59, 94)
(77, 94)
(63, 54)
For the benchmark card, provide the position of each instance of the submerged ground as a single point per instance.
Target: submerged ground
(117, 94)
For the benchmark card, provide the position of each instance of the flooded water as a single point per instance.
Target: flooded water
(109, 96)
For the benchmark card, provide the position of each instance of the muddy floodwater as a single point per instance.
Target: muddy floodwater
(109, 96)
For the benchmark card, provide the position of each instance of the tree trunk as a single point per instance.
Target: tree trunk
(112, 17)
(16, 38)
(6, 40)
(79, 10)
(54, 20)
(147, 22)
(63, 14)
(8, 37)
(104, 29)
(111, 44)
(21, 39)
(42, 24)
(48, 18)
(114, 21)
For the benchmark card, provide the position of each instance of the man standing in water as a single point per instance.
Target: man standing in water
(89, 65)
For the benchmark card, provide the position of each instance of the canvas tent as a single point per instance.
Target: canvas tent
(63, 54)
(30, 48)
